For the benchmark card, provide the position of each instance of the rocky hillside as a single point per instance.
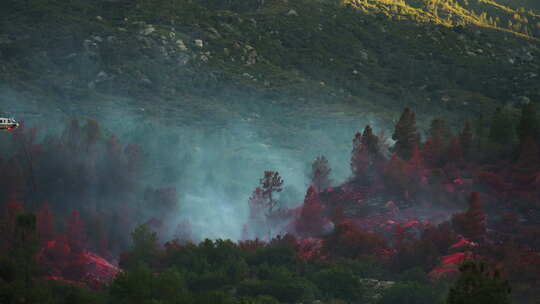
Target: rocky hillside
(200, 59)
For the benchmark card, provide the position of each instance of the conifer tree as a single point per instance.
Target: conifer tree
(360, 160)
(311, 221)
(481, 132)
(45, 224)
(320, 173)
(145, 248)
(24, 250)
(479, 285)
(455, 151)
(439, 131)
(528, 124)
(430, 153)
(371, 142)
(528, 161)
(501, 131)
(396, 176)
(466, 139)
(405, 134)
(76, 232)
(270, 183)
(471, 223)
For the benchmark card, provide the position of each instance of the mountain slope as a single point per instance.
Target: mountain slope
(200, 57)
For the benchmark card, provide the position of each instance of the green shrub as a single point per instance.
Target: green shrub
(339, 283)
(412, 293)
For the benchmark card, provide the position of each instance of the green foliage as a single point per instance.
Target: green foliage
(288, 288)
(281, 251)
(405, 134)
(337, 282)
(145, 247)
(502, 131)
(215, 296)
(528, 124)
(412, 293)
(263, 299)
(141, 286)
(479, 285)
(338, 43)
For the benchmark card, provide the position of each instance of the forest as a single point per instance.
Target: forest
(452, 218)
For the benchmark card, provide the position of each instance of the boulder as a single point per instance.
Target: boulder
(292, 12)
(181, 45)
(148, 29)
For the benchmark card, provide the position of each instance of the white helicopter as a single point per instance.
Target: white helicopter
(8, 123)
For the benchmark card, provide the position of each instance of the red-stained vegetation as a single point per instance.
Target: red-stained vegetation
(433, 206)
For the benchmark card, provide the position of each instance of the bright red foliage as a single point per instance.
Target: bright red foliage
(311, 222)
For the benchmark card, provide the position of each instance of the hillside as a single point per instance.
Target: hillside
(195, 59)
(270, 151)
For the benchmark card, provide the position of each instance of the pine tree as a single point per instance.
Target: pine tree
(360, 161)
(311, 221)
(430, 154)
(501, 131)
(439, 131)
(145, 248)
(466, 139)
(270, 183)
(76, 232)
(405, 134)
(528, 124)
(455, 151)
(396, 176)
(481, 132)
(25, 249)
(528, 161)
(320, 173)
(471, 223)
(479, 285)
(371, 143)
(45, 224)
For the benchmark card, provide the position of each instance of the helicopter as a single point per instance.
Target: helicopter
(8, 123)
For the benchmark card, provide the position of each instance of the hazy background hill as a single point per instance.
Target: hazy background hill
(376, 55)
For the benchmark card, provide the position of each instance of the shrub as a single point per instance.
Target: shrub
(412, 293)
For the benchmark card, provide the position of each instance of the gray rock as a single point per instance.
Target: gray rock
(181, 45)
(146, 81)
(112, 39)
(102, 76)
(148, 29)
(292, 12)
(90, 47)
(524, 100)
(364, 55)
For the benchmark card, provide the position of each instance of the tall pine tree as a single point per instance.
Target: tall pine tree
(466, 139)
(320, 173)
(501, 131)
(405, 134)
(479, 285)
(528, 124)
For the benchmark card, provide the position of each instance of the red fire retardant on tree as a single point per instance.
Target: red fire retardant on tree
(311, 221)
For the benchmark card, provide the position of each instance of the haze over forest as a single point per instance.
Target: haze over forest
(170, 113)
